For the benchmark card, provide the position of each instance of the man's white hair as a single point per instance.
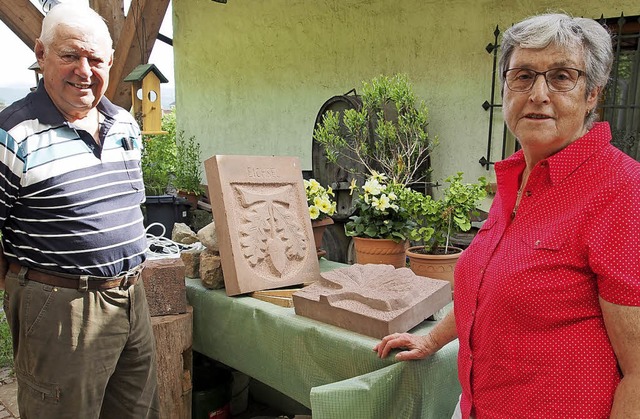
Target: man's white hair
(77, 16)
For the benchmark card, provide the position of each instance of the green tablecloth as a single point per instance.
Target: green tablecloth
(332, 371)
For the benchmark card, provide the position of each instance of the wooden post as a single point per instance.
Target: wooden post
(174, 337)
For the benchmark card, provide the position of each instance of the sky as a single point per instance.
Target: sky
(14, 72)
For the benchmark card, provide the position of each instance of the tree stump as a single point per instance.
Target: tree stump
(174, 337)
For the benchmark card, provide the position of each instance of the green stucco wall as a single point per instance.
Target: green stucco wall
(251, 75)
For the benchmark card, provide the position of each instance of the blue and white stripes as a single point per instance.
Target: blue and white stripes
(67, 204)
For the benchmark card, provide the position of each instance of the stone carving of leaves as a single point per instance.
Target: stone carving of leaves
(252, 239)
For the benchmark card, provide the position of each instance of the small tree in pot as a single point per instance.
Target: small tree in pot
(388, 134)
(188, 170)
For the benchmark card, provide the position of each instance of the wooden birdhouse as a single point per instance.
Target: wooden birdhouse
(145, 97)
(36, 69)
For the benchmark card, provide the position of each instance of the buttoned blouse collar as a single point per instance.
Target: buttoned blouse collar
(561, 164)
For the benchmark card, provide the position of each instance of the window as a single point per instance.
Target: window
(620, 105)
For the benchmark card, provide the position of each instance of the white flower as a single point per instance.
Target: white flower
(373, 187)
(381, 203)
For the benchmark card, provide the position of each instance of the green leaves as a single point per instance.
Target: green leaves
(438, 219)
(188, 172)
(388, 134)
(171, 160)
(380, 211)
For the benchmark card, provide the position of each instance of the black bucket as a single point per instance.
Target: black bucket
(211, 395)
(166, 210)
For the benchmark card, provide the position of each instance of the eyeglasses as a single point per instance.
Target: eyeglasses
(558, 79)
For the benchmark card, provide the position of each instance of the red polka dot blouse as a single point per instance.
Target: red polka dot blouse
(532, 338)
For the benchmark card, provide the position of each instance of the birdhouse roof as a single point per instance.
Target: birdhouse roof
(142, 70)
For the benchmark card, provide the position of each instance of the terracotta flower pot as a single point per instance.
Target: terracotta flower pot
(438, 266)
(380, 251)
(318, 227)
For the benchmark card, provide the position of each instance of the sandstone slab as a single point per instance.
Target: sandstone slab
(262, 222)
(374, 300)
(164, 285)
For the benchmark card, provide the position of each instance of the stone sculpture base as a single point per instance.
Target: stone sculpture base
(374, 300)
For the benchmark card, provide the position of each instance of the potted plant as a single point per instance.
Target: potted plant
(188, 169)
(322, 206)
(158, 162)
(381, 224)
(437, 220)
(388, 134)
(159, 158)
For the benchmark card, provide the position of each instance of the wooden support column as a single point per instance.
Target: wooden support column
(24, 19)
(138, 35)
(174, 337)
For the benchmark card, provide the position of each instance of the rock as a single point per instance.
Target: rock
(191, 260)
(211, 270)
(208, 237)
(164, 286)
(181, 233)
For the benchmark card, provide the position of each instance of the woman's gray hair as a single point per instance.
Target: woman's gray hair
(75, 16)
(566, 32)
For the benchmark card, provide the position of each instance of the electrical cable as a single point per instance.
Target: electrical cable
(160, 247)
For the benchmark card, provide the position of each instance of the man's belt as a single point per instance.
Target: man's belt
(79, 282)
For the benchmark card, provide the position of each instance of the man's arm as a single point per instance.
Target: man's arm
(623, 328)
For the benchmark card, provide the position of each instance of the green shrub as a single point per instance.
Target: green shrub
(159, 157)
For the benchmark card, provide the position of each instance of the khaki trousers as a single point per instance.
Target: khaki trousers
(81, 354)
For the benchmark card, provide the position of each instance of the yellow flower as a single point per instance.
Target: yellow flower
(380, 177)
(314, 186)
(381, 203)
(323, 204)
(353, 186)
(334, 207)
(314, 212)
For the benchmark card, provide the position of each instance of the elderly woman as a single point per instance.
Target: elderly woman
(547, 303)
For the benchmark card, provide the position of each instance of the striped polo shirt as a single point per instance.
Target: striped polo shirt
(68, 204)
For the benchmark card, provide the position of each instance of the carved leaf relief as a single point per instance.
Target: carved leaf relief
(270, 232)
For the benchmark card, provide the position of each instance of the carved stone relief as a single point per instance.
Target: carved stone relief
(374, 300)
(262, 222)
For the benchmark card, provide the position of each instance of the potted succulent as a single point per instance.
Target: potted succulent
(437, 220)
(322, 206)
(381, 224)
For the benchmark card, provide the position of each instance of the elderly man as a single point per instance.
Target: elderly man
(72, 234)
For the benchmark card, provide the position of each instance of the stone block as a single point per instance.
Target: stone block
(164, 285)
(374, 300)
(211, 272)
(181, 233)
(191, 260)
(262, 222)
(208, 237)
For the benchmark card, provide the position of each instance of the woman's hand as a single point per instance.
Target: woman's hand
(415, 346)
(419, 347)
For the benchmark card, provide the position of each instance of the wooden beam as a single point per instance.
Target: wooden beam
(24, 19)
(113, 12)
(138, 35)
